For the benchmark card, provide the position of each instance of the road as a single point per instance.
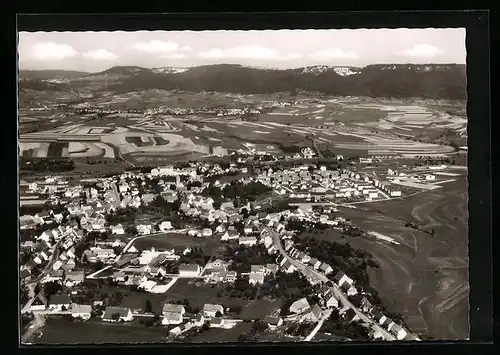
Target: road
(324, 316)
(307, 271)
(46, 270)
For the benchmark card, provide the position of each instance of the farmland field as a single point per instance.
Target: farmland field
(178, 241)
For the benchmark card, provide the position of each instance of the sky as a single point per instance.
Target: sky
(282, 49)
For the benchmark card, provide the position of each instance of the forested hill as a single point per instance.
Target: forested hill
(436, 81)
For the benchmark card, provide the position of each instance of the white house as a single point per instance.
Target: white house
(249, 241)
(207, 232)
(81, 311)
(395, 193)
(300, 306)
(230, 235)
(172, 313)
(118, 229)
(189, 270)
(165, 225)
(210, 310)
(331, 300)
(115, 314)
(256, 278)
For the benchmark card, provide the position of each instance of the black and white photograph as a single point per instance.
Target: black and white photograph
(243, 186)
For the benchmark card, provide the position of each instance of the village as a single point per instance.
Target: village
(75, 243)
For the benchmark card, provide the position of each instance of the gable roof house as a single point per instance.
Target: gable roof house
(315, 313)
(59, 301)
(331, 300)
(39, 303)
(315, 263)
(326, 268)
(81, 311)
(256, 278)
(300, 306)
(210, 310)
(172, 313)
(74, 278)
(273, 322)
(115, 314)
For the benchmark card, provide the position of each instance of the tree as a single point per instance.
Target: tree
(205, 326)
(115, 316)
(148, 308)
(218, 314)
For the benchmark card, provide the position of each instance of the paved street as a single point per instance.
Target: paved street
(307, 271)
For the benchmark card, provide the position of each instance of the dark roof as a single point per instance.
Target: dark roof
(60, 299)
(349, 314)
(345, 286)
(338, 275)
(272, 320)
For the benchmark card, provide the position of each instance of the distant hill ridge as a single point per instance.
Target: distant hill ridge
(437, 81)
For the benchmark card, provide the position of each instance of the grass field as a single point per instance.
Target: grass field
(199, 295)
(57, 331)
(426, 277)
(215, 335)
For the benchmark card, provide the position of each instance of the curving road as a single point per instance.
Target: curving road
(307, 271)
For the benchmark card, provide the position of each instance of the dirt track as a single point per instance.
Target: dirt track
(426, 277)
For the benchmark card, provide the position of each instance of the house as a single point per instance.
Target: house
(172, 314)
(207, 232)
(249, 241)
(118, 229)
(70, 265)
(210, 310)
(189, 269)
(256, 278)
(119, 276)
(57, 265)
(271, 269)
(399, 331)
(59, 301)
(230, 235)
(326, 268)
(198, 320)
(288, 267)
(315, 263)
(273, 322)
(115, 314)
(144, 229)
(39, 303)
(74, 278)
(300, 306)
(331, 300)
(315, 313)
(341, 278)
(165, 225)
(350, 315)
(81, 311)
(217, 322)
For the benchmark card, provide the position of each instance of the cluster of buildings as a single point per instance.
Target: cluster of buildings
(302, 182)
